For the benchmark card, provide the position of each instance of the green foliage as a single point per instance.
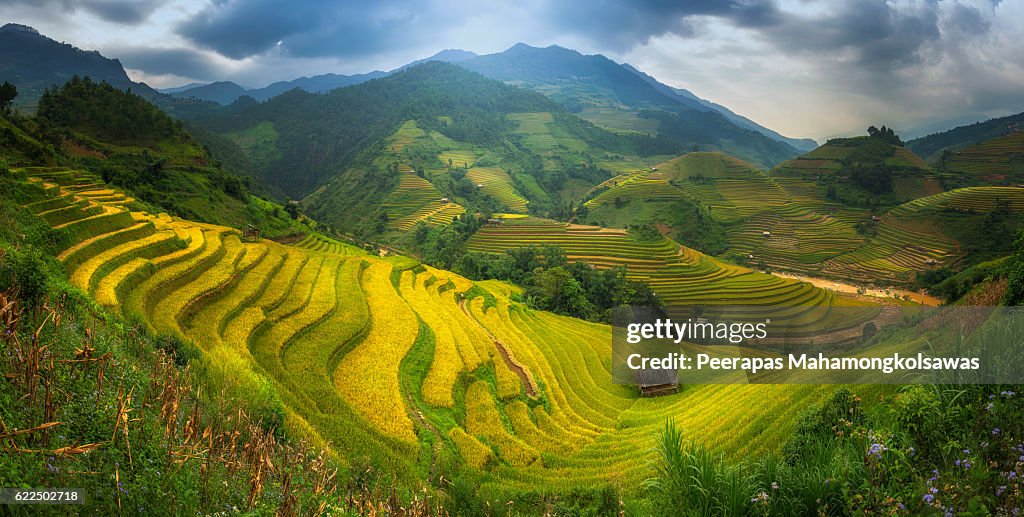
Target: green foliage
(321, 135)
(7, 94)
(24, 271)
(886, 134)
(937, 449)
(959, 284)
(107, 113)
(1015, 274)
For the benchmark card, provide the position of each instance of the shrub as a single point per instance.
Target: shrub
(25, 271)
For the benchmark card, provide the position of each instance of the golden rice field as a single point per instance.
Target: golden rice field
(382, 358)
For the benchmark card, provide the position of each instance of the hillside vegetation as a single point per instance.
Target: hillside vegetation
(130, 143)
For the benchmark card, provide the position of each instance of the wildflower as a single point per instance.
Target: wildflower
(928, 498)
(1000, 490)
(996, 431)
(989, 407)
(775, 485)
(933, 490)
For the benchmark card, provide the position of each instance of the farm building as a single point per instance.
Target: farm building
(654, 382)
(250, 233)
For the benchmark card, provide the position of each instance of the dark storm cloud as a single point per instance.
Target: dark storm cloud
(127, 12)
(179, 61)
(621, 24)
(322, 28)
(318, 28)
(877, 35)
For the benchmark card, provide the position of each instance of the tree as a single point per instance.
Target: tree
(1015, 274)
(7, 94)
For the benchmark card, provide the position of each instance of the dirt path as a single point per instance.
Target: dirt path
(524, 378)
(839, 287)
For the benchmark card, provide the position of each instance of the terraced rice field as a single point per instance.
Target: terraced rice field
(732, 189)
(996, 161)
(498, 184)
(414, 200)
(638, 188)
(792, 237)
(458, 158)
(765, 224)
(406, 135)
(541, 135)
(324, 244)
(366, 354)
(678, 275)
(910, 238)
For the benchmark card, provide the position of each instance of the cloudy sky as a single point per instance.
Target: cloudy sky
(807, 68)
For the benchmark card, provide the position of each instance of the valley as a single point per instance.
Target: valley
(396, 289)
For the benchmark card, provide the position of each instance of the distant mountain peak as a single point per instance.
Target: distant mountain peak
(452, 55)
(17, 27)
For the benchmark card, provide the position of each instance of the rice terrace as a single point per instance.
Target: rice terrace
(405, 292)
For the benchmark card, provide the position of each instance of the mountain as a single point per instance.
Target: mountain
(316, 84)
(308, 138)
(33, 62)
(222, 92)
(864, 171)
(448, 56)
(619, 98)
(381, 151)
(181, 88)
(931, 146)
(568, 76)
(929, 128)
(687, 97)
(226, 92)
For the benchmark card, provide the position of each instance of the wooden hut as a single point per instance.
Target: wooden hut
(654, 382)
(250, 233)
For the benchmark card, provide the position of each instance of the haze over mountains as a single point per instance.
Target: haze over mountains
(613, 96)
(569, 77)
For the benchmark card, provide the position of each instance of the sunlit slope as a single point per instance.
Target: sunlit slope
(400, 362)
(762, 222)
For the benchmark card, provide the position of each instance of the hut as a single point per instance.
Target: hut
(250, 233)
(654, 382)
